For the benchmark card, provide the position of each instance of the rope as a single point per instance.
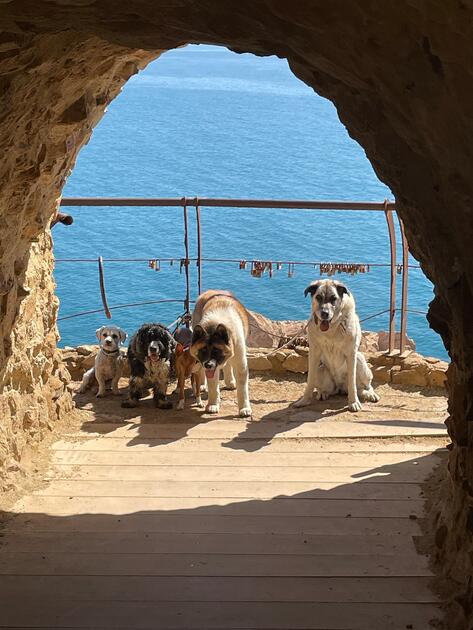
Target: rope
(303, 329)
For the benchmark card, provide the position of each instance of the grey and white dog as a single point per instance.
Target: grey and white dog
(335, 362)
(108, 362)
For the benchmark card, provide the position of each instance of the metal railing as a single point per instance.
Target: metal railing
(387, 207)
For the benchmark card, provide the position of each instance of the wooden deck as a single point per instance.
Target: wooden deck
(186, 525)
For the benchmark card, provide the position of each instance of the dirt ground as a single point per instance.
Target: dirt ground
(271, 399)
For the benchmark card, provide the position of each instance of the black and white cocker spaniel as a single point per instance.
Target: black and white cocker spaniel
(150, 355)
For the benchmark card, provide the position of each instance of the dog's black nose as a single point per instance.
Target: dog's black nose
(209, 364)
(324, 315)
(108, 342)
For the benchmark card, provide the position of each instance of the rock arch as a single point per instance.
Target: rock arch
(400, 75)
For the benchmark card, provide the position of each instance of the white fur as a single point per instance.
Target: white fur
(335, 363)
(235, 369)
(108, 362)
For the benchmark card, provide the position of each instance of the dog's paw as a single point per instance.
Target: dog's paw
(199, 402)
(371, 396)
(180, 404)
(231, 386)
(101, 394)
(81, 390)
(322, 395)
(355, 406)
(245, 412)
(212, 409)
(302, 402)
(129, 403)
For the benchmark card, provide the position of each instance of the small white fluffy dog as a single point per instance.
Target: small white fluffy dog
(108, 362)
(335, 363)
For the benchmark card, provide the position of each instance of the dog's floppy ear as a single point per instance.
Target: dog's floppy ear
(98, 332)
(198, 333)
(312, 289)
(123, 335)
(341, 290)
(222, 333)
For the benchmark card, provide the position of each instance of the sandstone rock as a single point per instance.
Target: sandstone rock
(383, 341)
(437, 376)
(86, 350)
(382, 373)
(417, 377)
(296, 363)
(259, 362)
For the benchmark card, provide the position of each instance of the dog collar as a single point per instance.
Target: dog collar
(110, 351)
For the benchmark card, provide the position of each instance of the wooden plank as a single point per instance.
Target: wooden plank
(49, 563)
(217, 523)
(260, 459)
(299, 425)
(228, 615)
(276, 444)
(212, 589)
(316, 474)
(268, 543)
(233, 489)
(183, 507)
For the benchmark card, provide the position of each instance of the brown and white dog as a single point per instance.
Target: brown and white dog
(220, 324)
(186, 366)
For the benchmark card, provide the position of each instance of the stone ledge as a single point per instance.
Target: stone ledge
(414, 369)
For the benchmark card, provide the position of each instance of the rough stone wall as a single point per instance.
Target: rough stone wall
(48, 107)
(400, 74)
(33, 379)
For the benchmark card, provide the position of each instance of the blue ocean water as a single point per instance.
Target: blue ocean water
(204, 121)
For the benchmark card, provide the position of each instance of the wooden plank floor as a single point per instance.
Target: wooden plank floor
(175, 527)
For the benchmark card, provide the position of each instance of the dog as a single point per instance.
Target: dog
(220, 327)
(335, 362)
(151, 358)
(108, 362)
(186, 367)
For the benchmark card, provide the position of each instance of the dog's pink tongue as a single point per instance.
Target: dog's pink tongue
(324, 325)
(210, 373)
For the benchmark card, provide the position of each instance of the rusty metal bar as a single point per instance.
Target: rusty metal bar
(108, 314)
(186, 262)
(199, 249)
(392, 292)
(227, 203)
(405, 279)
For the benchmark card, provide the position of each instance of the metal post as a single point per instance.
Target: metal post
(186, 261)
(199, 249)
(405, 276)
(392, 299)
(108, 314)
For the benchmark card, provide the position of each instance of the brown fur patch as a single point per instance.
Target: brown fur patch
(213, 299)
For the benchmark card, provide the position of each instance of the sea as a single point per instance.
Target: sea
(204, 121)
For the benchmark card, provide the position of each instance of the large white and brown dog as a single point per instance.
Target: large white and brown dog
(220, 325)
(335, 362)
